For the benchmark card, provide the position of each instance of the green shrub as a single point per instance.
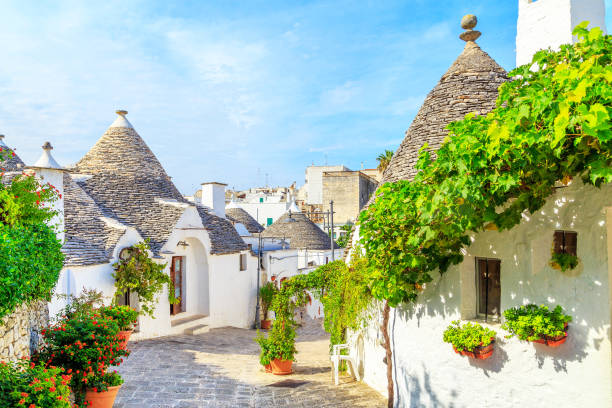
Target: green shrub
(30, 264)
(25, 384)
(84, 304)
(100, 383)
(267, 293)
(532, 322)
(280, 343)
(469, 336)
(125, 316)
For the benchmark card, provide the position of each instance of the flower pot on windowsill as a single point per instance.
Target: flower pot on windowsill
(281, 367)
(266, 324)
(124, 337)
(104, 399)
(479, 353)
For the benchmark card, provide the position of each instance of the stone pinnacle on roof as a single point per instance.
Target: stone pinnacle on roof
(468, 22)
(46, 160)
(469, 85)
(121, 121)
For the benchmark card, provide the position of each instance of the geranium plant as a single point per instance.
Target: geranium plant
(85, 346)
(124, 316)
(532, 322)
(25, 384)
(469, 336)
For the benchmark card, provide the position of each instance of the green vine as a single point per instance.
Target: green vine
(341, 289)
(142, 275)
(550, 124)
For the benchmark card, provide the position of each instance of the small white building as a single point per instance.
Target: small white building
(314, 182)
(118, 195)
(426, 371)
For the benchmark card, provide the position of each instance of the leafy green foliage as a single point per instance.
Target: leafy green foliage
(532, 322)
(124, 316)
(24, 384)
(384, 159)
(266, 293)
(550, 124)
(563, 261)
(85, 346)
(30, 263)
(468, 336)
(100, 383)
(84, 304)
(342, 240)
(341, 289)
(30, 254)
(142, 275)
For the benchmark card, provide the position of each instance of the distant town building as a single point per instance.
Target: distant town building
(350, 191)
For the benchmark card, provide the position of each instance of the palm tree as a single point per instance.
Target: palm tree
(384, 159)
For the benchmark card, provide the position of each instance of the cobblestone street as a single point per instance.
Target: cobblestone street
(221, 369)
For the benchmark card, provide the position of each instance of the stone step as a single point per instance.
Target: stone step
(190, 319)
(200, 329)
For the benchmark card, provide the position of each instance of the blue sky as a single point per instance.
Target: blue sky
(231, 91)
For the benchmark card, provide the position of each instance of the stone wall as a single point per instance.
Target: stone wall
(350, 191)
(20, 331)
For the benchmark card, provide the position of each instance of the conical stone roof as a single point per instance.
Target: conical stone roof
(469, 85)
(300, 230)
(13, 163)
(238, 215)
(129, 184)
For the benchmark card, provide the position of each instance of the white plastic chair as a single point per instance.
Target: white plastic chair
(336, 358)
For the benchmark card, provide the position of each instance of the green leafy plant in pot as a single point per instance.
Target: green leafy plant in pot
(470, 339)
(278, 349)
(538, 324)
(125, 317)
(266, 294)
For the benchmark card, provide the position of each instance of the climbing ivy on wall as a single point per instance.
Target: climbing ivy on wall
(551, 124)
(30, 253)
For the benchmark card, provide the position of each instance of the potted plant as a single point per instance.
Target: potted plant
(25, 384)
(278, 350)
(264, 357)
(266, 293)
(563, 262)
(538, 324)
(470, 339)
(102, 389)
(125, 317)
(85, 346)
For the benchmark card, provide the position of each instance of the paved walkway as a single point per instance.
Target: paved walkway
(221, 369)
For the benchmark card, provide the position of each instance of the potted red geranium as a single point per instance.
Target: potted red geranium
(125, 317)
(86, 346)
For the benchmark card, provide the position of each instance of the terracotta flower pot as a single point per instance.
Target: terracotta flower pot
(104, 399)
(124, 337)
(268, 368)
(479, 353)
(266, 324)
(281, 367)
(553, 341)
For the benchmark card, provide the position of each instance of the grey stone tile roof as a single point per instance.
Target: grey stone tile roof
(239, 215)
(469, 85)
(13, 163)
(300, 230)
(129, 184)
(223, 236)
(89, 239)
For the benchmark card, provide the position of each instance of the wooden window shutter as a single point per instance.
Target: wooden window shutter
(571, 242)
(558, 242)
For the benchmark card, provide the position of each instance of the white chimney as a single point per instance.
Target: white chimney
(213, 196)
(549, 23)
(49, 171)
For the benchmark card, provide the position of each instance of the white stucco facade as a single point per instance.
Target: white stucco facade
(428, 373)
(549, 23)
(314, 182)
(265, 213)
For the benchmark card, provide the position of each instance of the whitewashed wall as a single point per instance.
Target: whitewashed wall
(549, 23)
(262, 211)
(429, 374)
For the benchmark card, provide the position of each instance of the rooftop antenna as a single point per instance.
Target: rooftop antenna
(362, 166)
(266, 179)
